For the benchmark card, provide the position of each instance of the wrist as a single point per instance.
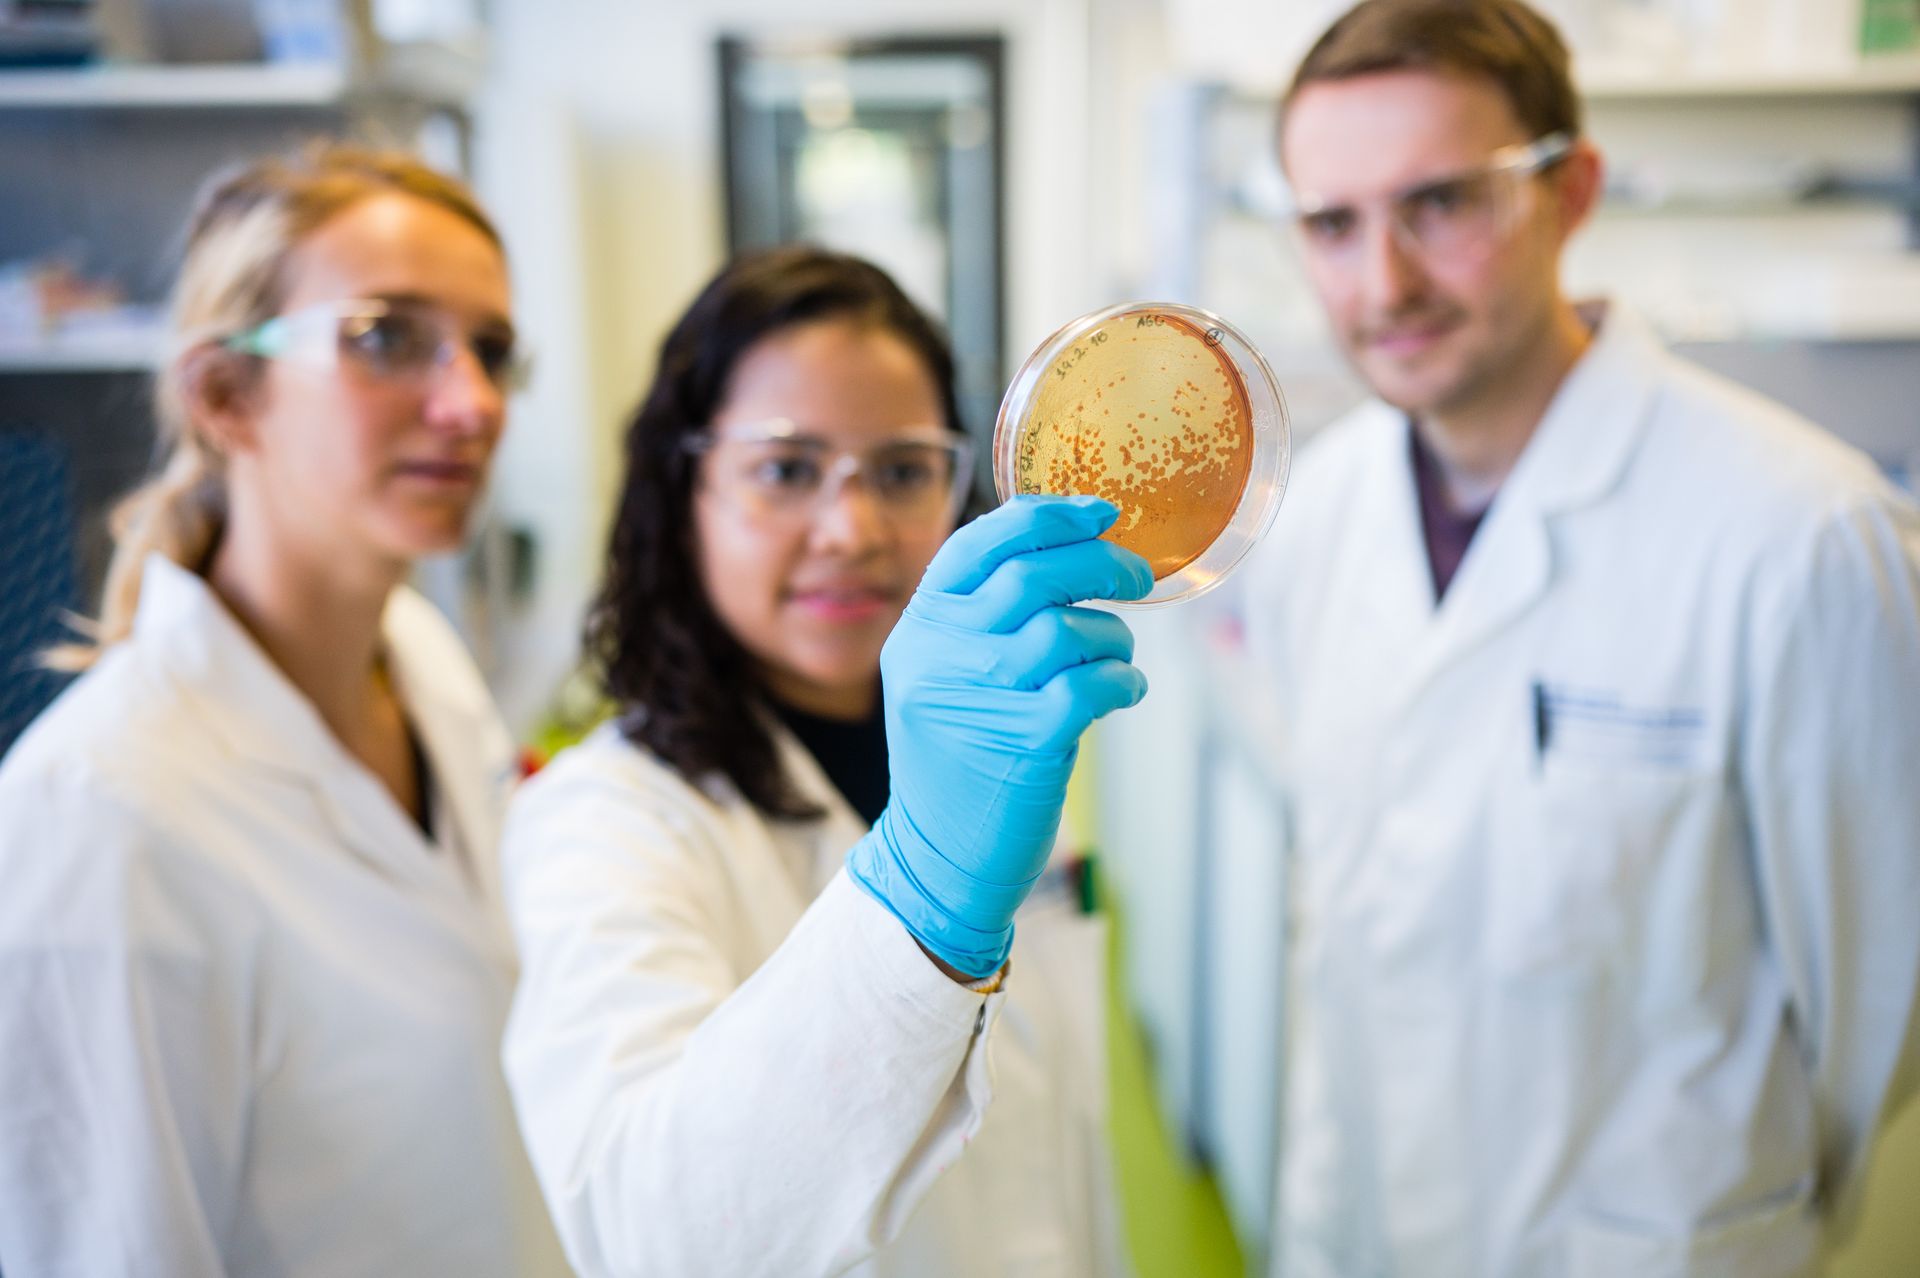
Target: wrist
(962, 922)
(988, 984)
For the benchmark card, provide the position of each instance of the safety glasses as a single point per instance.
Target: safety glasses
(1455, 217)
(776, 472)
(399, 340)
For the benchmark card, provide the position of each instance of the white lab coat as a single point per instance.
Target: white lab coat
(729, 1060)
(250, 1014)
(1634, 1000)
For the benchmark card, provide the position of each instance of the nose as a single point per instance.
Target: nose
(1390, 272)
(849, 520)
(461, 398)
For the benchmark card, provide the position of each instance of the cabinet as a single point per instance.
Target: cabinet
(98, 168)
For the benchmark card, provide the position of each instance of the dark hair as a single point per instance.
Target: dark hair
(1499, 40)
(684, 686)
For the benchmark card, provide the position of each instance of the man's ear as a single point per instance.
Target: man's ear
(1579, 180)
(221, 391)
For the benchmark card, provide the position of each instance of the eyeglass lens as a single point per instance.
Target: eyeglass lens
(911, 478)
(399, 340)
(1453, 215)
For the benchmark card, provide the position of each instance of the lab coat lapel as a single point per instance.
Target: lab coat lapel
(1392, 586)
(459, 733)
(823, 843)
(265, 723)
(1505, 572)
(1577, 455)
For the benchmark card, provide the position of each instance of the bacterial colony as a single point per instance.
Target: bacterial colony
(1148, 412)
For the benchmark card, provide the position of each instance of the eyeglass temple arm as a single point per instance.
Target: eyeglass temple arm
(1542, 151)
(263, 339)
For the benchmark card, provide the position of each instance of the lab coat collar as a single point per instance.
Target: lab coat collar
(460, 735)
(814, 850)
(1577, 455)
(263, 721)
(1581, 448)
(232, 685)
(1393, 583)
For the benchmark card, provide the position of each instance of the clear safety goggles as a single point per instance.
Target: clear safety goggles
(1459, 216)
(777, 472)
(401, 340)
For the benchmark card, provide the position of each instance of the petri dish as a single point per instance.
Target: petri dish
(1168, 412)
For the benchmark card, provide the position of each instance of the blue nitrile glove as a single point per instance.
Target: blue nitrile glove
(989, 680)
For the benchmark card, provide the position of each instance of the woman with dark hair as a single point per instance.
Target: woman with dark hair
(679, 654)
(729, 1054)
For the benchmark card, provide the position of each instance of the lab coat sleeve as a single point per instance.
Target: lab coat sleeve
(685, 1121)
(124, 1077)
(1834, 810)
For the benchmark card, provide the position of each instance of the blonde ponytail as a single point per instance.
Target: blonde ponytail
(248, 223)
(178, 514)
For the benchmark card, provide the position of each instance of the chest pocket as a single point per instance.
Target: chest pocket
(1592, 857)
(1777, 1237)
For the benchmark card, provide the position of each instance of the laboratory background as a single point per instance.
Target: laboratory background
(1014, 163)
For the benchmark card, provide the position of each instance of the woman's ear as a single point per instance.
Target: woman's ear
(221, 390)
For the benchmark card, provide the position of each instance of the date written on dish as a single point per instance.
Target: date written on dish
(1066, 362)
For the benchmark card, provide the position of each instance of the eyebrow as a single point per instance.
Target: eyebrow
(1316, 204)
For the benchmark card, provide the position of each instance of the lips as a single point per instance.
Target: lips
(844, 602)
(440, 472)
(1410, 337)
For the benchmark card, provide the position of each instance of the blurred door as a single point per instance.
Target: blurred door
(890, 149)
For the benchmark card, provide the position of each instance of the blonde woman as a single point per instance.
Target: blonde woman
(253, 969)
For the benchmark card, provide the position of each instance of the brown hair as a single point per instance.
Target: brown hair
(1499, 40)
(246, 224)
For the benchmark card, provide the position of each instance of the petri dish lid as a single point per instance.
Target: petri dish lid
(1168, 412)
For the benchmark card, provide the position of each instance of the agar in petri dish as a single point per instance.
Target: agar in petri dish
(1165, 411)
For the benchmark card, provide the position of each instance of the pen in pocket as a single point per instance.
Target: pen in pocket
(1542, 721)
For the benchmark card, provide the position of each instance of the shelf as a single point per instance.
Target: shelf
(1862, 197)
(1893, 75)
(123, 351)
(424, 74)
(1878, 76)
(1878, 330)
(185, 87)
(1842, 333)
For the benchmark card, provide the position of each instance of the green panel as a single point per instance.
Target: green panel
(1886, 1239)
(1176, 1224)
(1889, 26)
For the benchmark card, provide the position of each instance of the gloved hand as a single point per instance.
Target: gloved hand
(988, 682)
